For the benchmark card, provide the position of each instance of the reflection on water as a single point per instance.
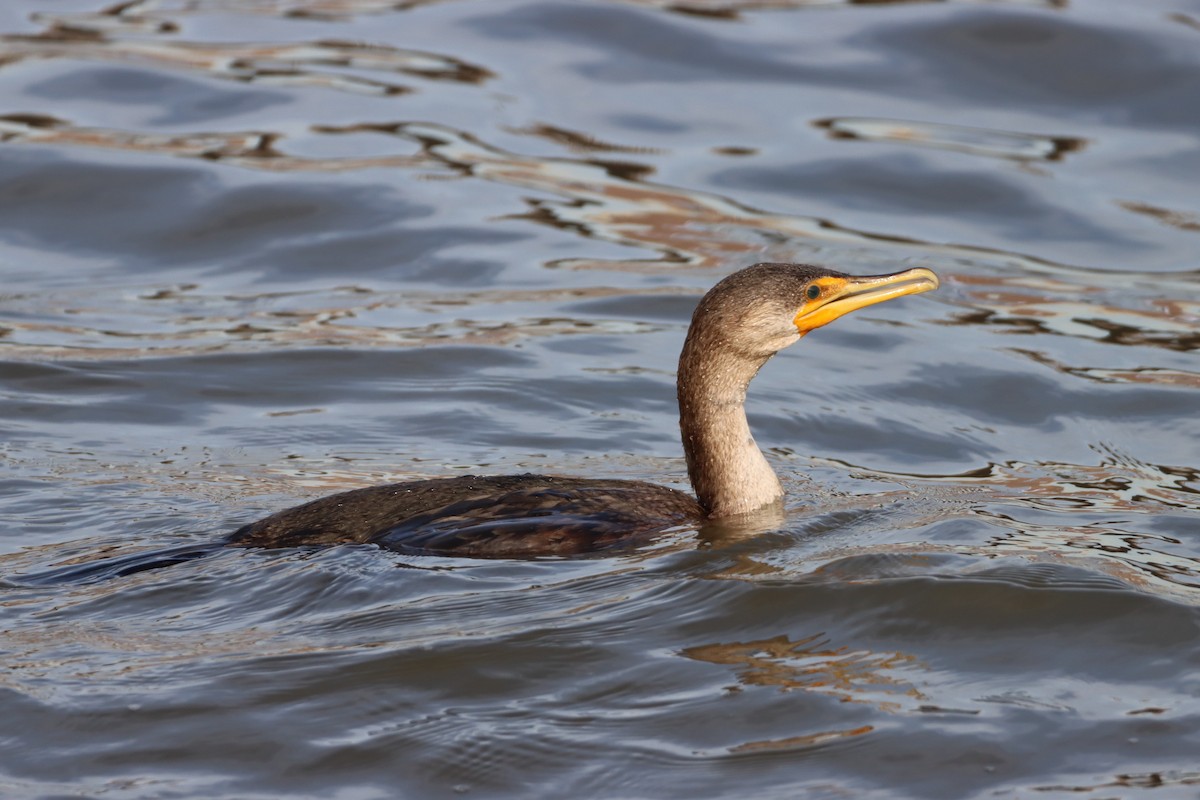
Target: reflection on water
(258, 251)
(1183, 220)
(812, 664)
(327, 64)
(998, 144)
(1045, 307)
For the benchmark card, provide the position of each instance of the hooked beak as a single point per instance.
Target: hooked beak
(841, 295)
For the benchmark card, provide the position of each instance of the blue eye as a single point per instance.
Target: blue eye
(813, 292)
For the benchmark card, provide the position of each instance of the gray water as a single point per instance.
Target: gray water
(256, 252)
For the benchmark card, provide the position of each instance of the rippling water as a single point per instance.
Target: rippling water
(258, 251)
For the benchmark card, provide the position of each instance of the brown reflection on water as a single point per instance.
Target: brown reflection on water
(152, 14)
(602, 198)
(1183, 220)
(1144, 375)
(1038, 305)
(234, 147)
(1133, 780)
(330, 64)
(814, 664)
(578, 141)
(609, 200)
(733, 9)
(257, 150)
(796, 742)
(1185, 19)
(976, 141)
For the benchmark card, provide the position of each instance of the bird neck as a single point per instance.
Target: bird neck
(728, 472)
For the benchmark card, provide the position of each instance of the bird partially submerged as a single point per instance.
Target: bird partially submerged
(737, 326)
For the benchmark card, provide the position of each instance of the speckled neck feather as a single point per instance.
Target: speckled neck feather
(728, 472)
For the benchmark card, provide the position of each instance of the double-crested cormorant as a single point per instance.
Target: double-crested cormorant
(742, 321)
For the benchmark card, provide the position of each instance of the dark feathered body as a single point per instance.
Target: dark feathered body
(482, 517)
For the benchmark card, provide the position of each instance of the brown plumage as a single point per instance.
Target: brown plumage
(742, 321)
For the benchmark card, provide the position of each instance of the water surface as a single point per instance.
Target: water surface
(253, 252)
